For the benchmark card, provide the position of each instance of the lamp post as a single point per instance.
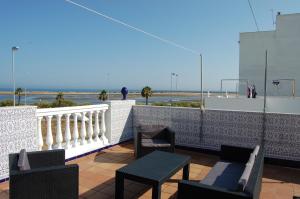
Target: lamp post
(14, 49)
(172, 74)
(176, 82)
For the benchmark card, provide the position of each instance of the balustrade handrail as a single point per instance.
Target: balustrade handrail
(69, 110)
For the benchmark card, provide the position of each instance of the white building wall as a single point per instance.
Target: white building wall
(283, 47)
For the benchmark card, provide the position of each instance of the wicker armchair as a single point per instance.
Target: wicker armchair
(150, 138)
(48, 178)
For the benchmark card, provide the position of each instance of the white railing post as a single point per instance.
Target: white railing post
(40, 134)
(59, 137)
(68, 131)
(83, 129)
(103, 128)
(49, 138)
(75, 130)
(90, 128)
(96, 126)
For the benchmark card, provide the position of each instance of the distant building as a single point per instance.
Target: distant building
(283, 45)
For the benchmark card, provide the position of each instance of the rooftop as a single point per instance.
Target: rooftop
(97, 171)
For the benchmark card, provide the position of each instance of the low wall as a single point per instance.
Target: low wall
(213, 128)
(273, 104)
(119, 121)
(18, 130)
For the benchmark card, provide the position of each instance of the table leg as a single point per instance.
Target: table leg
(119, 189)
(156, 191)
(186, 172)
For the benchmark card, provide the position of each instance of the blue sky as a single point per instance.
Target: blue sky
(63, 46)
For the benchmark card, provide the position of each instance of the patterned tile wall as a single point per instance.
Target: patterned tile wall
(119, 120)
(212, 128)
(18, 129)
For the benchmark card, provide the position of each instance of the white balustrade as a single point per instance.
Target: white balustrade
(49, 138)
(90, 128)
(59, 137)
(83, 129)
(95, 135)
(103, 128)
(68, 132)
(75, 131)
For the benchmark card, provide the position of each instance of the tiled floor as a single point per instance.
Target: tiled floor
(97, 176)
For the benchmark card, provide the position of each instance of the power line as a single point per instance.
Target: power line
(134, 28)
(252, 11)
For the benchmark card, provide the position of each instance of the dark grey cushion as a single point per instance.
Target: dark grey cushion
(152, 131)
(155, 143)
(23, 162)
(225, 175)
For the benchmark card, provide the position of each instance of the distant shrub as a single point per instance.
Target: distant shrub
(6, 103)
(43, 104)
(63, 103)
(178, 104)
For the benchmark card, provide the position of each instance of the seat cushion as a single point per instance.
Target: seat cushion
(155, 143)
(225, 175)
(152, 131)
(23, 162)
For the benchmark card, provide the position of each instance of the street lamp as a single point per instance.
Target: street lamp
(172, 74)
(14, 49)
(176, 82)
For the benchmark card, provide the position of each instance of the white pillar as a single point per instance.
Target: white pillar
(90, 128)
(97, 130)
(103, 128)
(75, 130)
(49, 138)
(68, 132)
(83, 129)
(59, 137)
(40, 134)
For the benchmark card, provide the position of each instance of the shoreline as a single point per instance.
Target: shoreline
(178, 93)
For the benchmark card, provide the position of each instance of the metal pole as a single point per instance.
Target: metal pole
(13, 76)
(107, 86)
(171, 89)
(176, 81)
(201, 98)
(25, 97)
(265, 101)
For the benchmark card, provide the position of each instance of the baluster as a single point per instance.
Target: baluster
(103, 128)
(96, 127)
(83, 129)
(68, 132)
(75, 131)
(40, 134)
(49, 138)
(90, 128)
(59, 137)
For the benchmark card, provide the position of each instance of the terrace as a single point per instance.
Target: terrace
(97, 171)
(96, 145)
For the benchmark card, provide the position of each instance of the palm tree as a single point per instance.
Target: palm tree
(59, 98)
(146, 92)
(19, 92)
(103, 95)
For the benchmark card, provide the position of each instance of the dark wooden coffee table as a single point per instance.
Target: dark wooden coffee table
(153, 169)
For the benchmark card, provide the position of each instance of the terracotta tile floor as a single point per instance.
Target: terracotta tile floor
(97, 176)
